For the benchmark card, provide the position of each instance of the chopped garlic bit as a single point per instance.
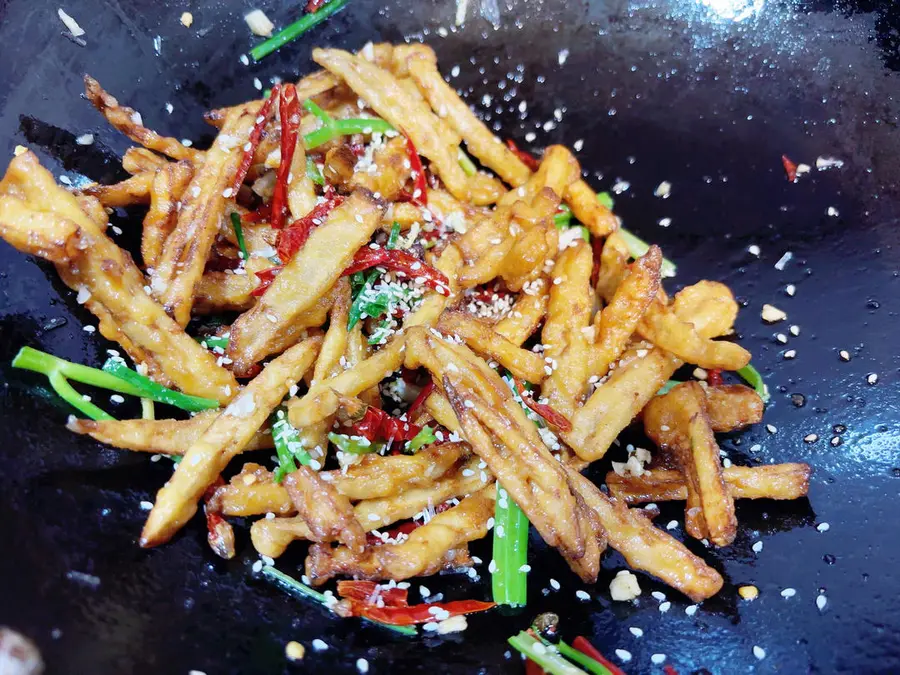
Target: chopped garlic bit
(294, 651)
(624, 587)
(186, 20)
(748, 592)
(771, 314)
(71, 24)
(259, 23)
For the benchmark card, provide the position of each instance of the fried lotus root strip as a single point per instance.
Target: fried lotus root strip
(138, 160)
(729, 407)
(226, 437)
(618, 321)
(223, 292)
(116, 291)
(422, 554)
(327, 513)
(586, 209)
(647, 548)
(501, 434)
(46, 235)
(309, 275)
(134, 190)
(524, 317)
(128, 121)
(480, 142)
(391, 101)
(165, 437)
(166, 192)
(272, 536)
(768, 481)
(482, 338)
(558, 169)
(183, 258)
(709, 512)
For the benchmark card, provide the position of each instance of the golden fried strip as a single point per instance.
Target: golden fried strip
(134, 190)
(388, 172)
(301, 195)
(165, 437)
(733, 406)
(563, 335)
(127, 314)
(229, 292)
(321, 401)
(46, 235)
(618, 321)
(334, 346)
(390, 100)
(537, 244)
(480, 142)
(187, 248)
(422, 554)
(525, 316)
(309, 274)
(709, 512)
(482, 338)
(327, 513)
(501, 434)
(647, 548)
(558, 170)
(586, 209)
(166, 192)
(768, 481)
(129, 122)
(139, 160)
(228, 436)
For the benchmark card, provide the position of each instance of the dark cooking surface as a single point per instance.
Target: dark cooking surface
(657, 91)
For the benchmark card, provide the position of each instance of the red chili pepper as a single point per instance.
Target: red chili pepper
(586, 648)
(377, 425)
(790, 168)
(314, 6)
(253, 141)
(366, 591)
(669, 670)
(527, 158)
(262, 214)
(358, 149)
(555, 418)
(714, 377)
(531, 668)
(407, 616)
(405, 528)
(597, 247)
(420, 185)
(289, 111)
(399, 261)
(420, 399)
(266, 277)
(291, 239)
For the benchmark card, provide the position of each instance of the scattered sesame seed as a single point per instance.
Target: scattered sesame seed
(362, 665)
(672, 524)
(665, 606)
(554, 584)
(788, 593)
(637, 632)
(795, 330)
(790, 290)
(319, 645)
(771, 314)
(146, 506)
(659, 596)
(759, 652)
(821, 601)
(845, 355)
(753, 249)
(690, 610)
(810, 438)
(623, 655)
(771, 428)
(582, 595)
(872, 378)
(657, 659)
(757, 547)
(823, 527)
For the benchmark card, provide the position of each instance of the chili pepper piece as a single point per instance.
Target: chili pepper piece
(526, 158)
(420, 185)
(413, 614)
(586, 648)
(790, 168)
(253, 141)
(292, 238)
(399, 261)
(266, 277)
(552, 416)
(289, 111)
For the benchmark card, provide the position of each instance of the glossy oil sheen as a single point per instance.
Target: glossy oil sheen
(705, 94)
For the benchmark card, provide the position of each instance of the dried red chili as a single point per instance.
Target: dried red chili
(410, 615)
(557, 419)
(526, 158)
(291, 239)
(253, 141)
(266, 277)
(714, 377)
(289, 111)
(314, 6)
(399, 261)
(586, 648)
(377, 425)
(420, 185)
(790, 168)
(420, 399)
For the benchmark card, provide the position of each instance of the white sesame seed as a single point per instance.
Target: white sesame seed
(637, 632)
(690, 610)
(582, 595)
(659, 596)
(753, 249)
(525, 569)
(790, 354)
(116, 398)
(795, 330)
(554, 584)
(788, 593)
(823, 527)
(872, 378)
(771, 428)
(623, 655)
(257, 567)
(665, 606)
(790, 290)
(664, 222)
(362, 665)
(146, 506)
(319, 645)
(757, 547)
(821, 601)
(759, 652)
(845, 355)
(672, 524)
(810, 438)
(657, 659)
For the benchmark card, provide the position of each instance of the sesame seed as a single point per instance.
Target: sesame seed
(362, 665)
(116, 398)
(665, 606)
(810, 438)
(623, 655)
(759, 652)
(525, 569)
(637, 632)
(872, 378)
(845, 355)
(788, 593)
(790, 354)
(659, 596)
(147, 506)
(771, 428)
(790, 290)
(554, 584)
(690, 610)
(672, 524)
(582, 595)
(319, 645)
(658, 658)
(757, 547)
(821, 601)
(795, 330)
(257, 567)
(753, 249)
(823, 527)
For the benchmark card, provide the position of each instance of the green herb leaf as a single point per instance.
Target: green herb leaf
(287, 445)
(394, 237)
(313, 173)
(147, 388)
(354, 445)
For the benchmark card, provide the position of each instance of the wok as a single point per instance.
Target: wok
(706, 94)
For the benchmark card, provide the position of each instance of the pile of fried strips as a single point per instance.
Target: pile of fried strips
(427, 327)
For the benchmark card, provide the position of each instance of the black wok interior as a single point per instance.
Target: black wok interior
(707, 94)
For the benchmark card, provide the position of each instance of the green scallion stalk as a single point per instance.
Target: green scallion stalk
(638, 247)
(287, 446)
(355, 446)
(147, 388)
(313, 173)
(468, 166)
(239, 234)
(546, 657)
(296, 29)
(667, 387)
(753, 377)
(394, 236)
(562, 219)
(356, 308)
(42, 362)
(313, 108)
(337, 128)
(294, 587)
(213, 341)
(65, 390)
(589, 664)
(605, 199)
(424, 437)
(509, 582)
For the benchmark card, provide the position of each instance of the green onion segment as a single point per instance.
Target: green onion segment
(296, 29)
(509, 581)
